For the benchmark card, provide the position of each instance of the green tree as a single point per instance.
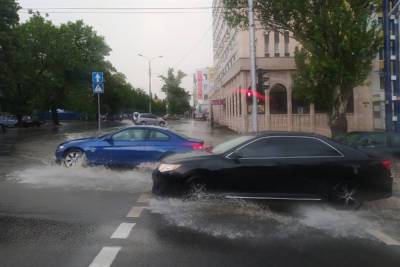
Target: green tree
(60, 62)
(339, 40)
(177, 98)
(8, 21)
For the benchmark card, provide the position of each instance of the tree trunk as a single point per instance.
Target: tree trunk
(54, 115)
(337, 117)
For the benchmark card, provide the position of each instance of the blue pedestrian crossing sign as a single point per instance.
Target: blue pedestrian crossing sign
(98, 88)
(98, 82)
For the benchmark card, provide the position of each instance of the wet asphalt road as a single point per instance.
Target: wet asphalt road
(52, 216)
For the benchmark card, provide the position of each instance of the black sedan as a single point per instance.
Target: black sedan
(283, 165)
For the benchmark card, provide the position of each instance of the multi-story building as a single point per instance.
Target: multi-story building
(278, 110)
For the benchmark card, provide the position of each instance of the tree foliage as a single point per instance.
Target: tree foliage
(177, 98)
(8, 20)
(339, 39)
(48, 67)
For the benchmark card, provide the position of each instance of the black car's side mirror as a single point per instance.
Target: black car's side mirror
(236, 156)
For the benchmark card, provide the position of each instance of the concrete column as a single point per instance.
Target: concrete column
(267, 111)
(312, 117)
(289, 109)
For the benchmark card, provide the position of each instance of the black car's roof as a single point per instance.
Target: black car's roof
(286, 133)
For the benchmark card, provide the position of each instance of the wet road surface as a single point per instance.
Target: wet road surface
(52, 216)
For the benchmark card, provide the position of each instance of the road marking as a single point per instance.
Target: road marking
(383, 237)
(144, 198)
(105, 257)
(123, 231)
(135, 212)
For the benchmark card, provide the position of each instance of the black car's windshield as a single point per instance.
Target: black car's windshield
(226, 146)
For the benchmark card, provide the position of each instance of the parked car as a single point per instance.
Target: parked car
(8, 121)
(125, 148)
(28, 121)
(377, 143)
(149, 119)
(288, 166)
(173, 117)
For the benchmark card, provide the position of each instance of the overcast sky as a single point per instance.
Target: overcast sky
(184, 40)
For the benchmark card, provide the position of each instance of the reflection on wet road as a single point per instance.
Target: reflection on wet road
(48, 212)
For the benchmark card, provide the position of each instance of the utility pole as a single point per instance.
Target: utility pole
(253, 64)
(98, 113)
(150, 95)
(149, 61)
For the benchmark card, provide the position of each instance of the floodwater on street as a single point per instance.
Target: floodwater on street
(29, 162)
(33, 185)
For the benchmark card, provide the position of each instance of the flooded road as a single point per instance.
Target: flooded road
(70, 217)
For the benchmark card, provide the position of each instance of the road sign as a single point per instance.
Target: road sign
(97, 77)
(98, 82)
(98, 88)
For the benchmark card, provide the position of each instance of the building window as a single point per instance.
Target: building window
(286, 37)
(382, 82)
(233, 105)
(240, 102)
(266, 44)
(276, 46)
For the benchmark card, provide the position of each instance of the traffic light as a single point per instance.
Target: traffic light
(263, 81)
(249, 96)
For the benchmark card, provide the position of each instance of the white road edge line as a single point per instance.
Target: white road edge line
(383, 237)
(105, 257)
(144, 198)
(123, 231)
(135, 212)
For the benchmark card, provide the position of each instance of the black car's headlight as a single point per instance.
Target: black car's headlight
(168, 167)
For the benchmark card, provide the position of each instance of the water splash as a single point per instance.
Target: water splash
(78, 178)
(235, 219)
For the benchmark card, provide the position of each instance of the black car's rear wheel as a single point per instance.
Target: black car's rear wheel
(73, 158)
(346, 195)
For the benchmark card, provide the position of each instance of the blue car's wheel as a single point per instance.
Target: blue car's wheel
(73, 158)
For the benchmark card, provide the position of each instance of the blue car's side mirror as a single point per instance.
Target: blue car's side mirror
(108, 139)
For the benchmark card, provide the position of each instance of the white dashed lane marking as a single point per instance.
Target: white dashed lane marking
(383, 237)
(144, 198)
(135, 212)
(123, 231)
(105, 257)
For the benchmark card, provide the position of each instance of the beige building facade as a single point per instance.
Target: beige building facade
(278, 109)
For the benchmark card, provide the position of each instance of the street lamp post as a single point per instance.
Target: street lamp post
(149, 61)
(253, 64)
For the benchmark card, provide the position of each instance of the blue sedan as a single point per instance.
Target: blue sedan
(126, 148)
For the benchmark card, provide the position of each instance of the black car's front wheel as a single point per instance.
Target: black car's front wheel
(73, 158)
(346, 195)
(195, 187)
